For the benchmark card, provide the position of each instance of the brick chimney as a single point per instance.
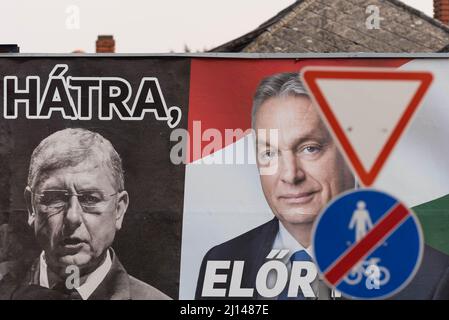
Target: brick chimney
(106, 44)
(441, 10)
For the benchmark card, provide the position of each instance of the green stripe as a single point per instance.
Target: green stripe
(434, 218)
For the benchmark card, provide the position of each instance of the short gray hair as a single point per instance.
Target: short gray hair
(70, 147)
(277, 85)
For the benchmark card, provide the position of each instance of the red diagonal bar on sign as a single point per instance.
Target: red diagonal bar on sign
(380, 231)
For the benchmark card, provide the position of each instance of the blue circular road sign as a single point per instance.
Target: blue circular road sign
(367, 244)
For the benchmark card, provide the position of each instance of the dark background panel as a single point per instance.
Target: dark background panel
(149, 243)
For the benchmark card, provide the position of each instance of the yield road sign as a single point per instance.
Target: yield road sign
(367, 110)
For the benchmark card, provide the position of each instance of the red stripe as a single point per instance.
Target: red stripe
(380, 231)
(221, 90)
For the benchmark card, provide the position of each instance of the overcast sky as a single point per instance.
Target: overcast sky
(62, 26)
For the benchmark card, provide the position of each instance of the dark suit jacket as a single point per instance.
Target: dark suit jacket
(251, 247)
(430, 282)
(117, 285)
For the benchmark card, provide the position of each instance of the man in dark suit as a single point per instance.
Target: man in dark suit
(76, 202)
(300, 172)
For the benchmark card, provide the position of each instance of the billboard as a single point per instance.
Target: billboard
(149, 174)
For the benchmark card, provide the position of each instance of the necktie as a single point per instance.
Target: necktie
(71, 294)
(300, 255)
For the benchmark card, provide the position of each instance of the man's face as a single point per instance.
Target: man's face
(79, 232)
(306, 168)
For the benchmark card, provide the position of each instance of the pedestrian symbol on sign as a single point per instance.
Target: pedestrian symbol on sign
(361, 220)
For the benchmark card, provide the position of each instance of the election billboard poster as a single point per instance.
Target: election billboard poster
(191, 177)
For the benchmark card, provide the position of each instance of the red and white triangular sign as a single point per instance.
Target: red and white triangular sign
(367, 110)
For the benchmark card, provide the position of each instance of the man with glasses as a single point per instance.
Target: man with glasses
(76, 202)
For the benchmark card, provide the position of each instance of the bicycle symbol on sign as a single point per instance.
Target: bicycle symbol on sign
(376, 275)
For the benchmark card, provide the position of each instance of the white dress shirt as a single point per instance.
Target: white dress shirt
(88, 287)
(284, 240)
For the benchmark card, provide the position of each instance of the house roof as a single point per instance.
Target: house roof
(340, 26)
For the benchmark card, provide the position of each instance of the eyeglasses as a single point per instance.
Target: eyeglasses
(53, 201)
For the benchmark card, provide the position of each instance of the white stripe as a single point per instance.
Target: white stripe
(417, 171)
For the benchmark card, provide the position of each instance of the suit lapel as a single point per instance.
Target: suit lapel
(115, 286)
(260, 248)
